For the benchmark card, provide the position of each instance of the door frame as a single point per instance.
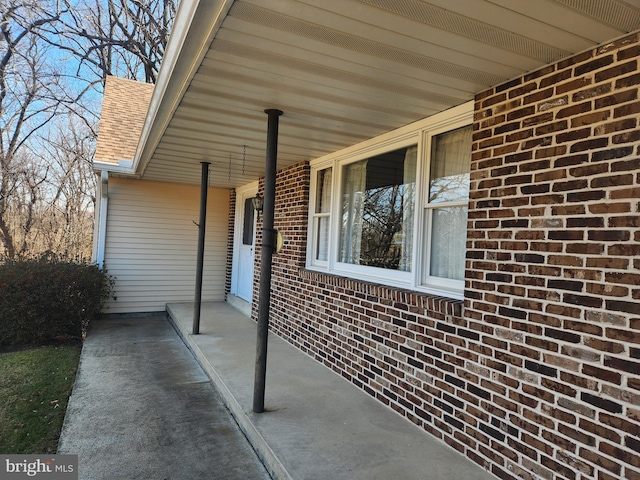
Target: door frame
(242, 193)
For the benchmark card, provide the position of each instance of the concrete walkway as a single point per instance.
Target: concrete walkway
(317, 425)
(142, 408)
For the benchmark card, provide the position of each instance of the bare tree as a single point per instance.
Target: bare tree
(54, 58)
(66, 213)
(29, 97)
(126, 38)
(25, 200)
(382, 223)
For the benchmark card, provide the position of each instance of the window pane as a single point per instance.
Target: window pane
(448, 240)
(450, 163)
(247, 227)
(323, 188)
(378, 209)
(322, 247)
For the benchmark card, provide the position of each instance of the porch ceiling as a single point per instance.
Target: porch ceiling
(342, 71)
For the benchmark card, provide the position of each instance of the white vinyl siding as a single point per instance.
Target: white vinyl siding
(151, 244)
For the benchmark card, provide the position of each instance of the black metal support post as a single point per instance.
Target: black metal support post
(268, 214)
(204, 186)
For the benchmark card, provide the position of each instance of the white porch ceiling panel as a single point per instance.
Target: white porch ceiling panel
(347, 70)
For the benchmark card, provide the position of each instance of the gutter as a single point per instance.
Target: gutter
(102, 219)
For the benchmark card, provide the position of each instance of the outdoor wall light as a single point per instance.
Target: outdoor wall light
(258, 203)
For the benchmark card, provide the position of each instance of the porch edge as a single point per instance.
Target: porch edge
(266, 455)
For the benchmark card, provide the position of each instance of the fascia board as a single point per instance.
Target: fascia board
(196, 25)
(124, 167)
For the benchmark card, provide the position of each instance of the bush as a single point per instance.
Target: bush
(48, 299)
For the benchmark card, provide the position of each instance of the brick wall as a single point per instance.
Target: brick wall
(292, 196)
(536, 373)
(553, 271)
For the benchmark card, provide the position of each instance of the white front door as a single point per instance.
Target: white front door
(245, 236)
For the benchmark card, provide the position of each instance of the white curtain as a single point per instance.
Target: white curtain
(353, 190)
(450, 164)
(448, 242)
(408, 208)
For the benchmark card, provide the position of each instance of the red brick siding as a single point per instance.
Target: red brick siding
(538, 375)
(292, 196)
(553, 276)
(413, 352)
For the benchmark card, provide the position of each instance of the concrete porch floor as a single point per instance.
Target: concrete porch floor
(317, 425)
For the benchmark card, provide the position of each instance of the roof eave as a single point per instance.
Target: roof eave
(123, 167)
(195, 26)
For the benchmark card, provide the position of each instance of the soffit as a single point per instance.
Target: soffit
(344, 71)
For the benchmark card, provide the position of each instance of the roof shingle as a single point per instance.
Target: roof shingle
(124, 109)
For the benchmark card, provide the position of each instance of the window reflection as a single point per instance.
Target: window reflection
(378, 210)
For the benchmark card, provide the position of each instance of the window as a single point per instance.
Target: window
(446, 208)
(377, 210)
(248, 222)
(394, 209)
(322, 215)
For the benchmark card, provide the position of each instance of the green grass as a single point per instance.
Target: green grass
(35, 385)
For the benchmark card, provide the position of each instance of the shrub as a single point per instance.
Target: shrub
(47, 299)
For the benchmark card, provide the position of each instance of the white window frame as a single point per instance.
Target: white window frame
(419, 133)
(426, 281)
(312, 247)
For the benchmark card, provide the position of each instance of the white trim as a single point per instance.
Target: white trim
(96, 222)
(123, 166)
(312, 224)
(101, 221)
(250, 189)
(425, 281)
(396, 277)
(431, 283)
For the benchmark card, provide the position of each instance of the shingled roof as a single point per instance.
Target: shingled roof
(124, 109)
